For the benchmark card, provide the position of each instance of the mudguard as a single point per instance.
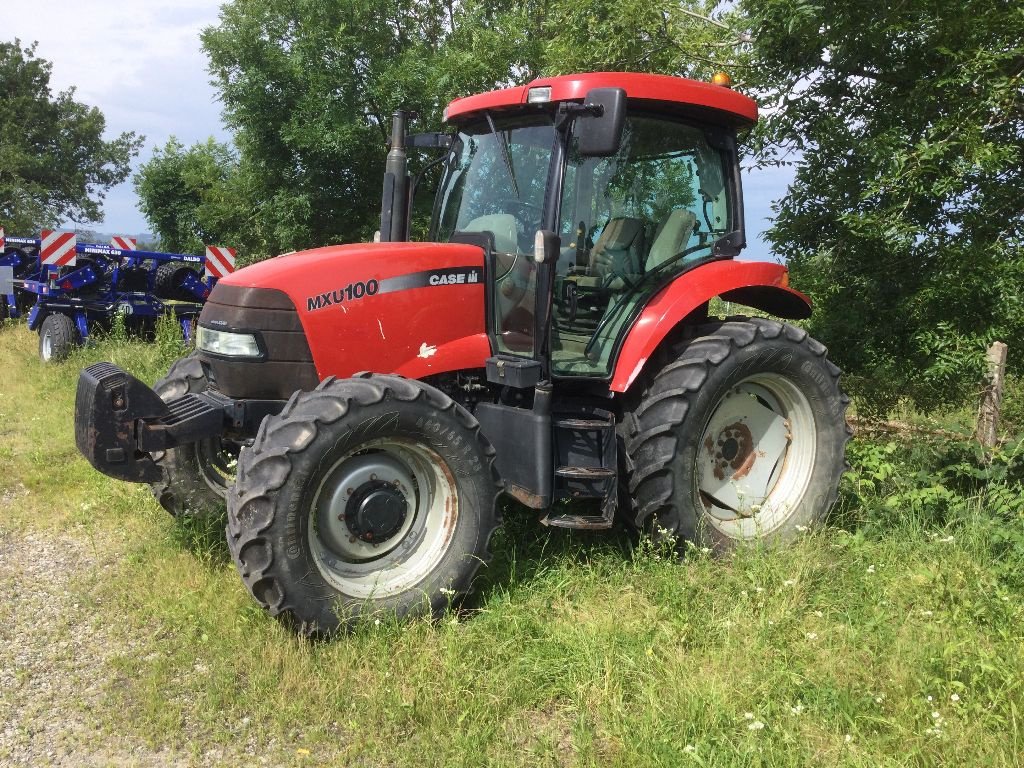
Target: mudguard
(758, 284)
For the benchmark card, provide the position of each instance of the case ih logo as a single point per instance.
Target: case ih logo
(220, 261)
(58, 248)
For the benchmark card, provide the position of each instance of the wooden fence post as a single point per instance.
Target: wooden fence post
(992, 395)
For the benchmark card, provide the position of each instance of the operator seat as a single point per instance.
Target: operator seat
(618, 251)
(671, 237)
(502, 226)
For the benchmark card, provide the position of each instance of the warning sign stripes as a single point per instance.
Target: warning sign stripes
(3, 240)
(220, 261)
(124, 243)
(58, 248)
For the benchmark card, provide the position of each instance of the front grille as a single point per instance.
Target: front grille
(288, 365)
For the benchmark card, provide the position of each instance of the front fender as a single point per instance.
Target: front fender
(759, 284)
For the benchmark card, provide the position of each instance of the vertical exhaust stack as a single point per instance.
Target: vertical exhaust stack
(394, 212)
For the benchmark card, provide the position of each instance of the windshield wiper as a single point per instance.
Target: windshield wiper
(506, 155)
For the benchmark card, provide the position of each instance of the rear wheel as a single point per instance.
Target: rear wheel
(196, 476)
(740, 435)
(57, 337)
(366, 495)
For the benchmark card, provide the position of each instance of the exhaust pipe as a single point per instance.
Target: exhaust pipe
(394, 212)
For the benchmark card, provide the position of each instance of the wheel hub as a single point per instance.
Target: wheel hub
(366, 507)
(376, 512)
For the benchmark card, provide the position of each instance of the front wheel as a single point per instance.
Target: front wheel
(366, 495)
(740, 435)
(196, 476)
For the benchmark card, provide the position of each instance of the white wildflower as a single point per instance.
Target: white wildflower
(797, 710)
(789, 582)
(748, 715)
(848, 738)
(757, 725)
(689, 749)
(812, 635)
(871, 569)
(801, 528)
(954, 698)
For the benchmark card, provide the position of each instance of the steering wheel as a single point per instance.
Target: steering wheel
(527, 215)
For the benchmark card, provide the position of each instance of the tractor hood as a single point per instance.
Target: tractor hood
(410, 308)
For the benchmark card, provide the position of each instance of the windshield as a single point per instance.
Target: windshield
(495, 181)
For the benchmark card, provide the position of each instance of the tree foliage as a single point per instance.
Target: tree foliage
(905, 220)
(309, 86)
(194, 197)
(54, 162)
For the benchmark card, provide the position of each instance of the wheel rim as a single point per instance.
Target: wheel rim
(382, 518)
(756, 456)
(47, 346)
(218, 460)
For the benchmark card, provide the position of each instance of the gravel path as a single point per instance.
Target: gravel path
(55, 650)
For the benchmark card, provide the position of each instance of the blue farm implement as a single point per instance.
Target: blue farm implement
(69, 289)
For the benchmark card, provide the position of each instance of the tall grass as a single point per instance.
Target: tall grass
(891, 636)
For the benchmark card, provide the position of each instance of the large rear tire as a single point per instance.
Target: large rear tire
(367, 495)
(196, 476)
(738, 435)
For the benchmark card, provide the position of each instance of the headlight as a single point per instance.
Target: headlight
(227, 344)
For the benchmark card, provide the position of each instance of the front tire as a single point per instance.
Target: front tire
(196, 476)
(366, 495)
(57, 337)
(740, 435)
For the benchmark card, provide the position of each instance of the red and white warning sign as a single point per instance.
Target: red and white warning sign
(58, 248)
(124, 243)
(220, 261)
(3, 240)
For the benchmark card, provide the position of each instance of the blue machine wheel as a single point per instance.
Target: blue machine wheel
(57, 337)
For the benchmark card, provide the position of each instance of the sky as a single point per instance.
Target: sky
(142, 64)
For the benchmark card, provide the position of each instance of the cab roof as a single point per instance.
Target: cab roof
(664, 91)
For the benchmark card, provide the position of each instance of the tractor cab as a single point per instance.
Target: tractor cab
(637, 190)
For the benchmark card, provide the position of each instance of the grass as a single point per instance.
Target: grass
(892, 637)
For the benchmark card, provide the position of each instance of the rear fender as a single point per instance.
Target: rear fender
(757, 284)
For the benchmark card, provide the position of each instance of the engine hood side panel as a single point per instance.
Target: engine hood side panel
(413, 308)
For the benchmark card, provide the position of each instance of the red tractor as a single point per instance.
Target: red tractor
(552, 342)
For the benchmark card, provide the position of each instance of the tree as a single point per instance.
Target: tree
(54, 163)
(309, 86)
(196, 197)
(905, 223)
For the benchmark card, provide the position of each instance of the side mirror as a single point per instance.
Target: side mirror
(599, 129)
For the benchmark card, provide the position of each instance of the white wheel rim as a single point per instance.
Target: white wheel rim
(47, 346)
(756, 456)
(408, 556)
